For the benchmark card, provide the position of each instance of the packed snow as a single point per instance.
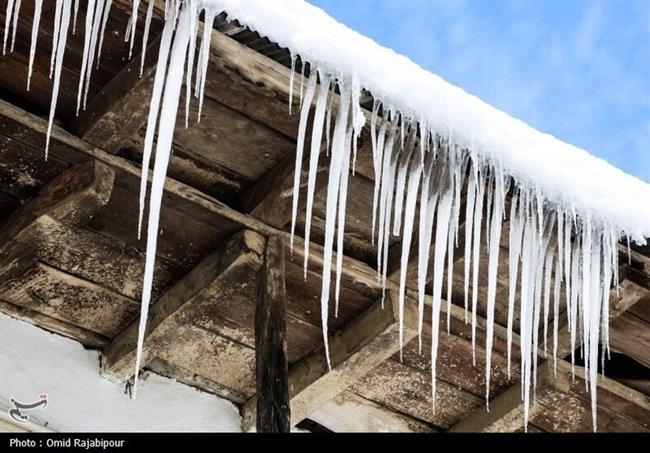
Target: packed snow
(35, 361)
(438, 154)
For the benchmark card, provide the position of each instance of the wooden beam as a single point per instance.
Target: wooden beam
(270, 198)
(116, 114)
(72, 148)
(357, 348)
(349, 412)
(273, 413)
(506, 412)
(87, 337)
(241, 253)
(70, 199)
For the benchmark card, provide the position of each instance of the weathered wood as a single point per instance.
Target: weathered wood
(241, 253)
(120, 109)
(630, 335)
(356, 349)
(71, 198)
(358, 274)
(86, 337)
(273, 412)
(270, 199)
(506, 412)
(349, 412)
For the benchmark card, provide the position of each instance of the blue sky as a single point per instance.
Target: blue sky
(579, 70)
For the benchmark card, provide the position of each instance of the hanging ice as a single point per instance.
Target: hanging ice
(419, 165)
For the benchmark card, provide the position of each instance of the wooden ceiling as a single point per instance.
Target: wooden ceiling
(71, 262)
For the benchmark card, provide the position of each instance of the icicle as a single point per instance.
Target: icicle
(458, 169)
(409, 216)
(38, 7)
(169, 109)
(401, 184)
(336, 168)
(154, 107)
(514, 250)
(61, 40)
(134, 22)
(304, 114)
(469, 228)
(340, 229)
(56, 35)
(145, 35)
(107, 10)
(478, 217)
(548, 266)
(88, 31)
(556, 310)
(316, 139)
(384, 244)
(291, 78)
(493, 267)
(204, 53)
(358, 119)
(377, 159)
(440, 244)
(194, 27)
(74, 16)
(594, 305)
(93, 45)
(386, 196)
(428, 202)
(15, 23)
(8, 16)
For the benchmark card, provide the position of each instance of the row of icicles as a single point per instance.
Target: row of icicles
(561, 260)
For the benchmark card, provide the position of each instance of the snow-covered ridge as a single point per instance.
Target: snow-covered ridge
(566, 174)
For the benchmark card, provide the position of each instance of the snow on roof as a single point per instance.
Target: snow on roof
(566, 174)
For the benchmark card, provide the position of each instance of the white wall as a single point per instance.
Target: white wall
(33, 361)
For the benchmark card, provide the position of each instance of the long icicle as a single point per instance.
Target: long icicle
(169, 109)
(316, 139)
(336, 164)
(61, 40)
(300, 143)
(154, 107)
(38, 8)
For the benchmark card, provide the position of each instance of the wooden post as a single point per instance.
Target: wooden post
(273, 412)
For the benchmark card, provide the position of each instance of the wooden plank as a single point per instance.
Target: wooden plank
(71, 198)
(349, 412)
(87, 337)
(225, 266)
(120, 109)
(506, 412)
(630, 335)
(270, 198)
(356, 349)
(355, 274)
(273, 412)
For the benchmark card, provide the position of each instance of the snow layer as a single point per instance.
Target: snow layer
(566, 174)
(35, 361)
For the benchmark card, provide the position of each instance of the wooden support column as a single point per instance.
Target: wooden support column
(355, 350)
(273, 412)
